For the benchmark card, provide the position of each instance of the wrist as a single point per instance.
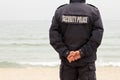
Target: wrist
(67, 53)
(81, 53)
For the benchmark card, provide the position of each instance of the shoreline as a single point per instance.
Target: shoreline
(52, 73)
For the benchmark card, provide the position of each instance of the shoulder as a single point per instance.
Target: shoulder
(62, 6)
(92, 6)
(59, 10)
(95, 11)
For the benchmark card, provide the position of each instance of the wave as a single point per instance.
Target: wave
(25, 44)
(6, 64)
(44, 37)
(113, 64)
(50, 64)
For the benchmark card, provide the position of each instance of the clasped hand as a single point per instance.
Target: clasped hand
(73, 56)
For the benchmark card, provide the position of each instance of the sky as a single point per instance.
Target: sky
(44, 9)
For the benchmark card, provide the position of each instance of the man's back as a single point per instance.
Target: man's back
(76, 23)
(79, 27)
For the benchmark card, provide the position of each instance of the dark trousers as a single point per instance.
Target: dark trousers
(86, 72)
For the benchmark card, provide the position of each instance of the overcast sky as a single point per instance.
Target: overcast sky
(44, 9)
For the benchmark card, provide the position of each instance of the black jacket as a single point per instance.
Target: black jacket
(76, 26)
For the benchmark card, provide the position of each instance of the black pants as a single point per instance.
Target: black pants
(86, 72)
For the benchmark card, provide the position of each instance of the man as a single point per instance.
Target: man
(75, 33)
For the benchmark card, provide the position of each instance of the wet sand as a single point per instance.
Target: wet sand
(52, 73)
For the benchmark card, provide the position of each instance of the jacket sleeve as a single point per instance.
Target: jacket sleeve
(95, 39)
(56, 37)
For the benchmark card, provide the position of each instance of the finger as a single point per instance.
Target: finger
(71, 53)
(69, 59)
(72, 59)
(69, 56)
(77, 56)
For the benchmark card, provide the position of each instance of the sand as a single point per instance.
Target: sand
(52, 73)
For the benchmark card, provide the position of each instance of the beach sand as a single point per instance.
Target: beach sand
(52, 73)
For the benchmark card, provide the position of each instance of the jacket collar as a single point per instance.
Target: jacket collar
(81, 1)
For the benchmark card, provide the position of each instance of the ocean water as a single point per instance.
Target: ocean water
(27, 43)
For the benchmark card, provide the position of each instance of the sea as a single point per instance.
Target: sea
(26, 43)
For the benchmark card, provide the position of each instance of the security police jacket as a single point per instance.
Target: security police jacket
(76, 26)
